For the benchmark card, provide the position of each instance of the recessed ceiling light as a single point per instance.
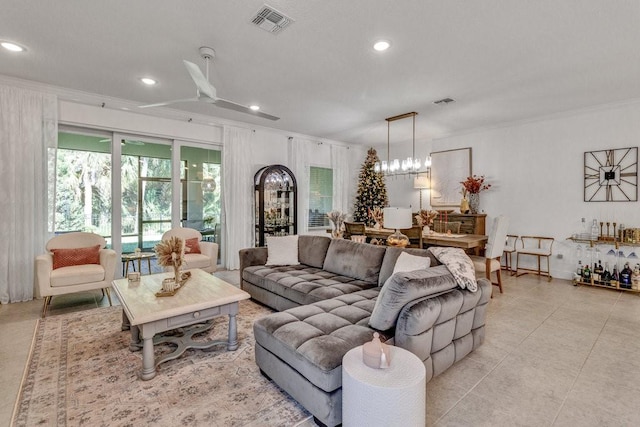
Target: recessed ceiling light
(12, 47)
(381, 45)
(254, 107)
(148, 81)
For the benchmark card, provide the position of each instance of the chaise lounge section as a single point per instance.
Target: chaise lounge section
(339, 294)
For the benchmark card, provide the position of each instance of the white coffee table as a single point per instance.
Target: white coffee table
(203, 297)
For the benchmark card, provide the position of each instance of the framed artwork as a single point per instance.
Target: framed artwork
(448, 169)
(611, 175)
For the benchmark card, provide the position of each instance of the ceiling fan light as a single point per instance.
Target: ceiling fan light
(13, 47)
(381, 45)
(148, 81)
(254, 107)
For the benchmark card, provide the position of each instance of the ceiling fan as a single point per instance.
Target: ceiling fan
(206, 92)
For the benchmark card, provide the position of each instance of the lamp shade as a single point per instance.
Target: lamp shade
(421, 182)
(397, 218)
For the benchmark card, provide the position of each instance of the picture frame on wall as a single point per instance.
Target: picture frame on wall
(448, 169)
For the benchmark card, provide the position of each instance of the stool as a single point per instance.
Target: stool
(539, 247)
(395, 396)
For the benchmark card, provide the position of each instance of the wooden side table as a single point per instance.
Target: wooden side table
(395, 396)
(130, 258)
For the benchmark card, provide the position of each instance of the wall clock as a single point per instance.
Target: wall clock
(611, 175)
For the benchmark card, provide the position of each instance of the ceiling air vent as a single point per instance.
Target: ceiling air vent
(271, 20)
(444, 101)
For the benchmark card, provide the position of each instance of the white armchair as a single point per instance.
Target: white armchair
(207, 260)
(74, 276)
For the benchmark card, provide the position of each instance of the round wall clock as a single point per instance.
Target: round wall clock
(611, 175)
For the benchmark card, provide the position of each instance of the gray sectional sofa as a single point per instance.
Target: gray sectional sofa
(334, 300)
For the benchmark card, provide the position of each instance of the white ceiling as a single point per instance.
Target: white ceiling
(501, 60)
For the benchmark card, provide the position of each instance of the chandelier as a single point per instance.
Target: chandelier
(410, 165)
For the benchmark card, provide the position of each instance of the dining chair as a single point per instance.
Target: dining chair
(535, 246)
(493, 252)
(353, 229)
(509, 250)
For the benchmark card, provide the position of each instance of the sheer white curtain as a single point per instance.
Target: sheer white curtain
(237, 194)
(28, 128)
(341, 173)
(298, 152)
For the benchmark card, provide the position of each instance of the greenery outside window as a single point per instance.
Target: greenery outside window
(320, 196)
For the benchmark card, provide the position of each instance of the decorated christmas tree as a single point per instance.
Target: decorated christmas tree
(372, 191)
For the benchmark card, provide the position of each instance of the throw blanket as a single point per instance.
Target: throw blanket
(459, 264)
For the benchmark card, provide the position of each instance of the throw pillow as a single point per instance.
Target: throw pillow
(76, 256)
(459, 264)
(192, 246)
(408, 262)
(282, 250)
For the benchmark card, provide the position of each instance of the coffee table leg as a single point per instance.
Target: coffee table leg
(126, 324)
(232, 340)
(148, 361)
(135, 343)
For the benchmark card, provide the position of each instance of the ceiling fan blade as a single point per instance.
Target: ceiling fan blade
(243, 109)
(162, 104)
(203, 85)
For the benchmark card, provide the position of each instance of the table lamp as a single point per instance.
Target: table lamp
(397, 218)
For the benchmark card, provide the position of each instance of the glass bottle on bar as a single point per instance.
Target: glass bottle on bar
(606, 275)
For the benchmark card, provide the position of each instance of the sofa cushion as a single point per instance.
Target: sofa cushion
(408, 262)
(391, 256)
(75, 256)
(313, 338)
(407, 286)
(192, 246)
(77, 275)
(312, 250)
(197, 261)
(282, 250)
(302, 284)
(356, 260)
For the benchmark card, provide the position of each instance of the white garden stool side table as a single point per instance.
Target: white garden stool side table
(395, 396)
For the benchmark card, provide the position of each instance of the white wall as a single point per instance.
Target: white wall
(536, 172)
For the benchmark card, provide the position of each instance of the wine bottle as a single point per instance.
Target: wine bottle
(606, 275)
(625, 277)
(579, 271)
(614, 276)
(586, 274)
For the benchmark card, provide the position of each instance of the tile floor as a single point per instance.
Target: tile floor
(554, 355)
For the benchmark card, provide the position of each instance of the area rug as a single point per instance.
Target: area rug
(81, 372)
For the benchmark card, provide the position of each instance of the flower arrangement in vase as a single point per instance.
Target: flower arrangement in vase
(337, 219)
(425, 218)
(171, 254)
(471, 188)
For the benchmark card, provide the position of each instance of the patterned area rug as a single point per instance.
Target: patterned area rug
(81, 372)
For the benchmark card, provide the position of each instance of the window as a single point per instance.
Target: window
(320, 196)
(83, 184)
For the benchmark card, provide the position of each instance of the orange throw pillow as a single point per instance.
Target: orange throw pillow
(192, 246)
(77, 256)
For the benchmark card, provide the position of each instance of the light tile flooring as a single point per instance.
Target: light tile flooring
(554, 355)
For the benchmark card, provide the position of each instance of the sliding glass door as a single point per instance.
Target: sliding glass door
(146, 193)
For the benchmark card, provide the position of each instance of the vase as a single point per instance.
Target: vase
(336, 234)
(474, 202)
(176, 274)
(464, 205)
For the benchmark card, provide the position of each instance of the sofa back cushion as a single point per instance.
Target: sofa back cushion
(408, 286)
(312, 250)
(391, 256)
(357, 260)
